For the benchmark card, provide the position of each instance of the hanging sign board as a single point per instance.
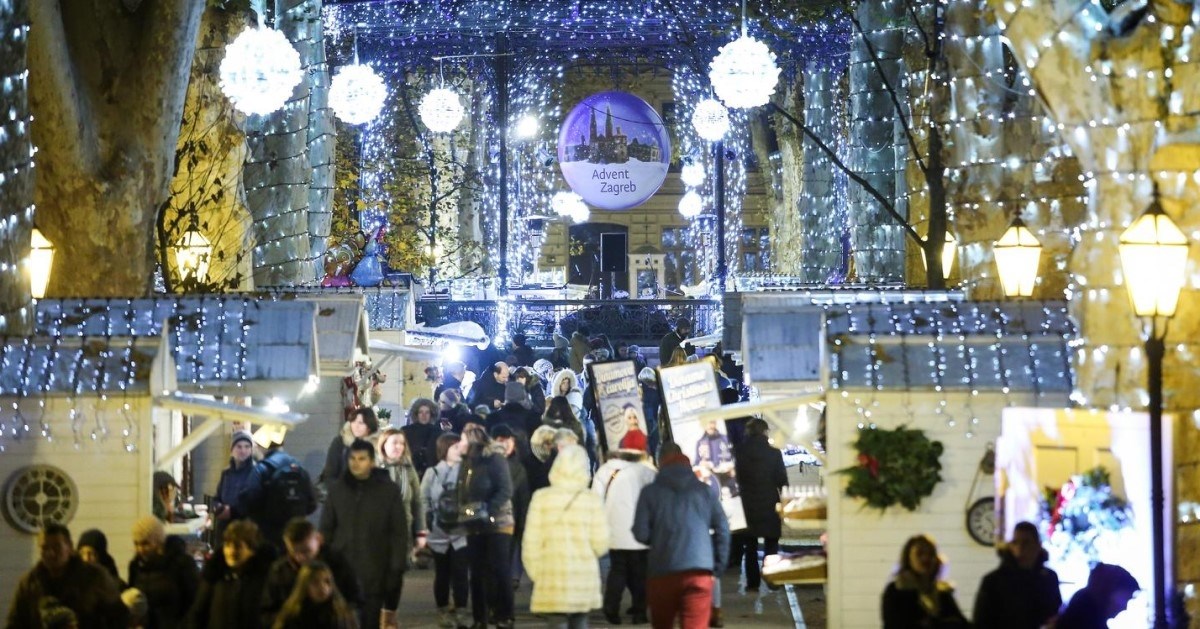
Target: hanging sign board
(619, 399)
(687, 390)
(614, 150)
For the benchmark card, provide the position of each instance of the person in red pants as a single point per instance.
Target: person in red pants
(674, 517)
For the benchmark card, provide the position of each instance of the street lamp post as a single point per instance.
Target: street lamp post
(1153, 256)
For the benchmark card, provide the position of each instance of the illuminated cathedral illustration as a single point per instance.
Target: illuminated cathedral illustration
(612, 148)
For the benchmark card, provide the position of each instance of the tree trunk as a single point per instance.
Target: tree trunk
(107, 88)
(16, 190)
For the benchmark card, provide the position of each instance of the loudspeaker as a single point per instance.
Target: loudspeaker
(612, 252)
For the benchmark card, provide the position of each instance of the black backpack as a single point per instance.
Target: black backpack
(287, 489)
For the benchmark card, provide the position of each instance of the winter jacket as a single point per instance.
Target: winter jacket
(485, 477)
(409, 483)
(448, 382)
(486, 391)
(537, 393)
(338, 454)
(422, 444)
(282, 578)
(1012, 597)
(574, 396)
(236, 486)
(760, 476)
(619, 484)
(667, 346)
(902, 607)
(567, 533)
(517, 416)
(579, 348)
(524, 356)
(1085, 611)
(169, 581)
(364, 521)
(440, 478)
(674, 516)
(228, 598)
(87, 590)
(650, 405)
(454, 419)
(520, 490)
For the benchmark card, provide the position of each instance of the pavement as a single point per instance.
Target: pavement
(765, 608)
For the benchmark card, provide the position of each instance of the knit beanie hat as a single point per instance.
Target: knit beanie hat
(241, 435)
(514, 392)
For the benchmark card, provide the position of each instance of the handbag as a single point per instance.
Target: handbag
(453, 513)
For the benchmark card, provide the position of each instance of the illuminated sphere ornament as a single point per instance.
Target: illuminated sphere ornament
(259, 71)
(581, 213)
(711, 119)
(357, 94)
(691, 204)
(441, 110)
(692, 174)
(744, 73)
(565, 203)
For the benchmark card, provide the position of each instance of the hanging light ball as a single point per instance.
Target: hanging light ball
(357, 94)
(744, 73)
(581, 213)
(691, 204)
(441, 110)
(711, 119)
(564, 202)
(692, 174)
(259, 71)
(527, 127)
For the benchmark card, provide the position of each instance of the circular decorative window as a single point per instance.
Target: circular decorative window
(37, 495)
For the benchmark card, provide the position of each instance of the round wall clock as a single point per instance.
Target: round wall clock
(37, 495)
(981, 521)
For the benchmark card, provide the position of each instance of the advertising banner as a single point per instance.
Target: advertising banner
(619, 399)
(614, 150)
(686, 391)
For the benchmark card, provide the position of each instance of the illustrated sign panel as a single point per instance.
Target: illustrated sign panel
(614, 150)
(687, 390)
(620, 401)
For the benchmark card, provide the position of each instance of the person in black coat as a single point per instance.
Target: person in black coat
(488, 390)
(1022, 593)
(1107, 593)
(522, 352)
(484, 480)
(93, 548)
(533, 388)
(452, 413)
(232, 582)
(760, 473)
(304, 545)
(515, 452)
(85, 589)
(916, 598)
(364, 521)
(163, 571)
(421, 433)
(452, 375)
(517, 412)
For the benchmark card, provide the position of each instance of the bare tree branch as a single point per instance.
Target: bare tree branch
(912, 11)
(855, 177)
(891, 90)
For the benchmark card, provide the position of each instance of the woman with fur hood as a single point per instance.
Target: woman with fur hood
(567, 385)
(568, 533)
(362, 425)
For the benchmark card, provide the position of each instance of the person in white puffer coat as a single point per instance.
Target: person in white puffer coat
(619, 482)
(566, 533)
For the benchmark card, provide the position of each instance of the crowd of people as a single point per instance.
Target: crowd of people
(492, 480)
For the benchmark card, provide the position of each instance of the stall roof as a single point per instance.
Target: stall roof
(341, 326)
(976, 346)
(232, 344)
(45, 366)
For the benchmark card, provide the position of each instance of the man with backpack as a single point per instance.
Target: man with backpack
(285, 491)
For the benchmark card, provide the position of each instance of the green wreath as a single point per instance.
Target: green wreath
(898, 466)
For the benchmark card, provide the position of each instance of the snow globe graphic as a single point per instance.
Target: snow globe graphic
(614, 150)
